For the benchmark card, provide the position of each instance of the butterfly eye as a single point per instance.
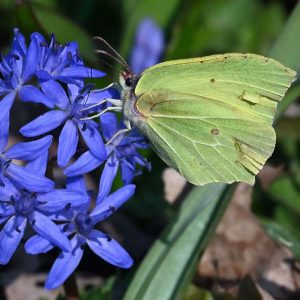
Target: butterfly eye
(128, 81)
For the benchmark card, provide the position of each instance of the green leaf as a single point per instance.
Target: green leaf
(160, 11)
(100, 293)
(288, 127)
(195, 293)
(25, 21)
(292, 95)
(49, 3)
(286, 190)
(287, 51)
(287, 47)
(284, 237)
(207, 27)
(175, 254)
(65, 30)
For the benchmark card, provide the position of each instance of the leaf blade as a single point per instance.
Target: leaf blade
(180, 245)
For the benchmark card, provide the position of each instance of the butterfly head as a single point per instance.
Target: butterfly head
(128, 81)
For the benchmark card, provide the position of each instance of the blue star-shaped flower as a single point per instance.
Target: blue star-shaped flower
(62, 62)
(80, 225)
(19, 66)
(19, 206)
(28, 151)
(54, 61)
(70, 113)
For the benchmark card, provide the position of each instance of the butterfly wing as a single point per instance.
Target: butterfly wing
(211, 118)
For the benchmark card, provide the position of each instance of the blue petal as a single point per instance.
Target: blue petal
(109, 250)
(64, 266)
(149, 44)
(67, 80)
(29, 93)
(44, 227)
(28, 180)
(3, 220)
(29, 150)
(44, 123)
(139, 159)
(39, 165)
(109, 124)
(59, 199)
(74, 90)
(55, 92)
(31, 60)
(40, 39)
(8, 189)
(6, 212)
(19, 42)
(10, 237)
(108, 175)
(5, 105)
(4, 129)
(127, 171)
(81, 72)
(146, 27)
(84, 164)
(76, 183)
(67, 144)
(16, 64)
(37, 245)
(43, 75)
(72, 48)
(138, 60)
(105, 208)
(94, 141)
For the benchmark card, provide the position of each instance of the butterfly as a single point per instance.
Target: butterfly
(210, 118)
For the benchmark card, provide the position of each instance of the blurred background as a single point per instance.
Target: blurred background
(190, 28)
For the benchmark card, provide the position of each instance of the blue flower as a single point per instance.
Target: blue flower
(18, 207)
(28, 151)
(58, 62)
(122, 152)
(62, 62)
(70, 114)
(19, 66)
(148, 47)
(80, 226)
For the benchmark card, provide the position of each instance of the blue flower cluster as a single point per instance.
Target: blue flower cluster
(54, 75)
(148, 47)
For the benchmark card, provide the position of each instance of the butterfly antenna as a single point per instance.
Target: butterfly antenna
(124, 64)
(106, 63)
(120, 58)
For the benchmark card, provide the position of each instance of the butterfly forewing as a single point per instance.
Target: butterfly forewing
(211, 118)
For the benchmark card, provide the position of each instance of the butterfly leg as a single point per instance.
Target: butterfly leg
(112, 108)
(128, 128)
(114, 102)
(117, 134)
